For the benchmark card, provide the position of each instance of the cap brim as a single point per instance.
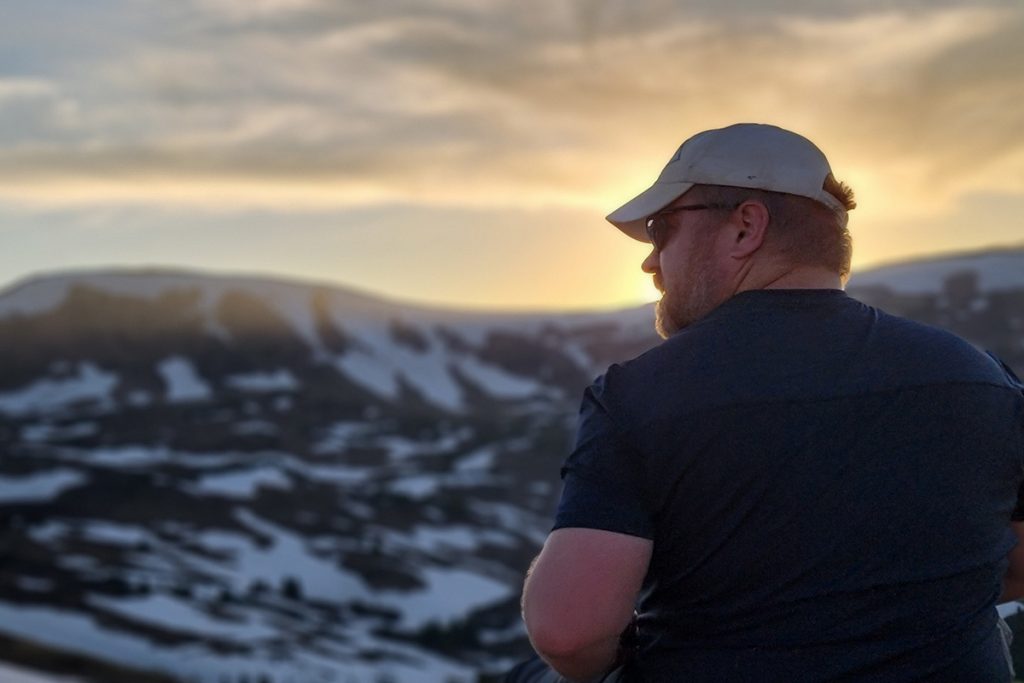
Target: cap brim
(631, 217)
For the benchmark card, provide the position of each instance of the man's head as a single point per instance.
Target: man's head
(745, 207)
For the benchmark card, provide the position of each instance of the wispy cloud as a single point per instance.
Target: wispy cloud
(312, 103)
(457, 149)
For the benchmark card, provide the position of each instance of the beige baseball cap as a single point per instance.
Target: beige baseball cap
(751, 155)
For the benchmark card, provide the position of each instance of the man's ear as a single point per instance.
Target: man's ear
(750, 222)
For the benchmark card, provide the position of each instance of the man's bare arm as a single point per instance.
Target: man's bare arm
(579, 596)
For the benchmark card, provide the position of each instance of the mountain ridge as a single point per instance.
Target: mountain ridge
(372, 300)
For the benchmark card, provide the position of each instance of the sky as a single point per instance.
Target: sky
(464, 152)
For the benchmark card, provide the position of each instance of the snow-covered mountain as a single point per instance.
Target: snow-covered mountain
(191, 336)
(226, 479)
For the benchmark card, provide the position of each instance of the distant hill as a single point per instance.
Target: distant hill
(229, 479)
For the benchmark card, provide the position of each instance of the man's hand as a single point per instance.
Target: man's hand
(579, 597)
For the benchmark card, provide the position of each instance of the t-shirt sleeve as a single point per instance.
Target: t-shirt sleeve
(602, 477)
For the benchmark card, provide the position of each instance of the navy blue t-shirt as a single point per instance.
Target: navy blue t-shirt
(828, 489)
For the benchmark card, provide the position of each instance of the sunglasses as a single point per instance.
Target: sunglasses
(657, 227)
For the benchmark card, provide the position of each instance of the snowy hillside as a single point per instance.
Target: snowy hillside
(227, 479)
(224, 478)
(446, 358)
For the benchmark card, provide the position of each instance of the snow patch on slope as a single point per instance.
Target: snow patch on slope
(450, 594)
(995, 271)
(380, 364)
(176, 615)
(15, 674)
(243, 484)
(183, 384)
(279, 380)
(39, 487)
(91, 384)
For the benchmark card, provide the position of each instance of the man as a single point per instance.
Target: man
(793, 486)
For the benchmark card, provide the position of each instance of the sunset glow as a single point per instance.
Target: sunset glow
(465, 154)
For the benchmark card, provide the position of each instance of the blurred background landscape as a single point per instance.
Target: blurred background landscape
(298, 297)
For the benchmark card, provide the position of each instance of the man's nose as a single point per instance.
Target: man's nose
(652, 263)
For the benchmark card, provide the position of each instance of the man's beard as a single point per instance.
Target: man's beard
(692, 300)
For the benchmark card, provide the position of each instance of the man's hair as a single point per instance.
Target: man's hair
(805, 231)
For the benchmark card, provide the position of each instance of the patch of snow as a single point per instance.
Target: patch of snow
(39, 486)
(498, 382)
(182, 382)
(373, 374)
(417, 487)
(339, 436)
(336, 474)
(110, 533)
(280, 380)
(243, 483)
(176, 615)
(287, 555)
(138, 455)
(90, 385)
(10, 673)
(449, 594)
(84, 634)
(429, 539)
(43, 432)
(402, 448)
(495, 636)
(995, 271)
(201, 461)
(127, 456)
(579, 356)
(513, 519)
(379, 363)
(34, 297)
(481, 460)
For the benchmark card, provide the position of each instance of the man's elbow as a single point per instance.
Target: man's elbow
(575, 658)
(554, 641)
(573, 647)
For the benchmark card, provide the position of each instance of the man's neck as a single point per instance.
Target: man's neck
(805, 277)
(773, 274)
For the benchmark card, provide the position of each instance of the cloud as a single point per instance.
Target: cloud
(310, 103)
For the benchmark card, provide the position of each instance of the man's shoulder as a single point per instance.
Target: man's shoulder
(921, 345)
(847, 346)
